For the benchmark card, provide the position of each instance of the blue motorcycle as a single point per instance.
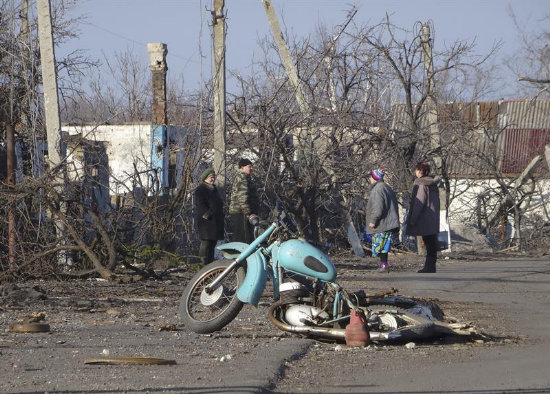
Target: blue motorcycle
(306, 299)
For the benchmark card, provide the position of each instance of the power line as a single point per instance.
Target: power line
(188, 59)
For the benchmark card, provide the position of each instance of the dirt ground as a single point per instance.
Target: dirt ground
(94, 318)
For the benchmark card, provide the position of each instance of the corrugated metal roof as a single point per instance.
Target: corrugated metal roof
(505, 135)
(524, 114)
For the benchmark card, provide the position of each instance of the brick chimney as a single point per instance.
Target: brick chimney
(157, 64)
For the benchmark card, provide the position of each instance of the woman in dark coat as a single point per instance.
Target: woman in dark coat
(209, 215)
(423, 217)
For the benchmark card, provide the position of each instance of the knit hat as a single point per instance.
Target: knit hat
(378, 174)
(206, 173)
(244, 162)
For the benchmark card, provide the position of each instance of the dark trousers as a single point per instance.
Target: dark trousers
(241, 228)
(431, 250)
(206, 250)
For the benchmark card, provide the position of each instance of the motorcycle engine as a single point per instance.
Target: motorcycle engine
(298, 314)
(304, 315)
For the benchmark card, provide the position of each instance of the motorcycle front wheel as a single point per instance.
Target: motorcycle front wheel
(205, 312)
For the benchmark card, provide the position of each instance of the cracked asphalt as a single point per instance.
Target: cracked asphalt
(508, 299)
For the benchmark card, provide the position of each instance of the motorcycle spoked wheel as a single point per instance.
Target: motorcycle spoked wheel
(402, 324)
(204, 313)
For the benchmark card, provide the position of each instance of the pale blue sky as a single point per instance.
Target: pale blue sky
(117, 25)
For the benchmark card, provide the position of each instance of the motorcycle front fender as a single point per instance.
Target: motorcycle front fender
(254, 282)
(232, 250)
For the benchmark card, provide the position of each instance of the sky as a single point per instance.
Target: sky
(113, 26)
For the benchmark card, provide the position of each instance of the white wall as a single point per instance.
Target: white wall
(465, 192)
(126, 145)
(128, 148)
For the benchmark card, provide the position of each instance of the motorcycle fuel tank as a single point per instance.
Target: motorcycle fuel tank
(298, 256)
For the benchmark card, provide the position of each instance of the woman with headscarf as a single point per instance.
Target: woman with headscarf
(382, 217)
(209, 215)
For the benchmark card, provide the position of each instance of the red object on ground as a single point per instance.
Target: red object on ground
(356, 331)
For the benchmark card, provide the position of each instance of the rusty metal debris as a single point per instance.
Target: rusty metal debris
(129, 360)
(29, 327)
(167, 327)
(34, 317)
(31, 323)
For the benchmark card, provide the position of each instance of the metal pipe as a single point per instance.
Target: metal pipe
(333, 333)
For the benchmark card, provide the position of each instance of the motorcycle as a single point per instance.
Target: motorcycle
(306, 298)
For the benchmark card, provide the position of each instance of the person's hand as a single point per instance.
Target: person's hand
(371, 225)
(206, 216)
(253, 219)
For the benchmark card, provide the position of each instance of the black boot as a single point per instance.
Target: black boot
(431, 255)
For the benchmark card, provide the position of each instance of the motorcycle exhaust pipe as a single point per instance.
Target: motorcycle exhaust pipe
(325, 332)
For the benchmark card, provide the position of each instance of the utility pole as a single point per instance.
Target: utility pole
(435, 139)
(25, 106)
(435, 136)
(218, 77)
(284, 53)
(10, 153)
(10, 167)
(49, 76)
(51, 107)
(290, 69)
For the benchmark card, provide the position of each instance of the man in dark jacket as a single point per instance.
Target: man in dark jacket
(245, 204)
(209, 215)
(382, 217)
(423, 217)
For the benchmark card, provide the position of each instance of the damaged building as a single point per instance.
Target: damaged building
(494, 158)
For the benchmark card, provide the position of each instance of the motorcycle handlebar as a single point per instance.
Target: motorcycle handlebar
(287, 222)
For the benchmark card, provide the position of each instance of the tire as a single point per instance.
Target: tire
(211, 312)
(410, 326)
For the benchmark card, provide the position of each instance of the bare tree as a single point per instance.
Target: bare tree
(351, 85)
(102, 234)
(531, 64)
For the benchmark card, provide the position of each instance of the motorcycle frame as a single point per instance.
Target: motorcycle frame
(241, 258)
(271, 267)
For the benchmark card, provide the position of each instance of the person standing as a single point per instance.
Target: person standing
(423, 217)
(209, 215)
(245, 204)
(382, 217)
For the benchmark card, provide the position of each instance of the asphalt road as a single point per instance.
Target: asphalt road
(512, 299)
(508, 299)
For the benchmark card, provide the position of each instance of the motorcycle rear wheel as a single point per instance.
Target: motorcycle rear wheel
(204, 313)
(410, 326)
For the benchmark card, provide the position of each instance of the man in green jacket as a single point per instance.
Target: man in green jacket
(244, 205)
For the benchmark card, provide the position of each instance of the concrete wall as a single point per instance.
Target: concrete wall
(138, 154)
(126, 146)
